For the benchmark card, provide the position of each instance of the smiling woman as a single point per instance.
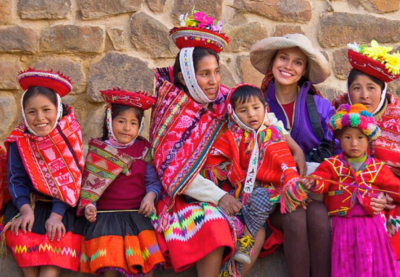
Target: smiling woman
(291, 66)
(367, 84)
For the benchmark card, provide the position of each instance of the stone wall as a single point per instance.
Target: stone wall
(107, 43)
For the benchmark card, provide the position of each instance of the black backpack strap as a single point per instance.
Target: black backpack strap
(314, 117)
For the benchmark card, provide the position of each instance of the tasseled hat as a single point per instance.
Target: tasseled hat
(137, 99)
(56, 81)
(199, 30)
(356, 116)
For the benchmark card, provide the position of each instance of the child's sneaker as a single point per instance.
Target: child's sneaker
(244, 247)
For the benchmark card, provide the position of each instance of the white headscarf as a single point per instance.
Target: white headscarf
(189, 75)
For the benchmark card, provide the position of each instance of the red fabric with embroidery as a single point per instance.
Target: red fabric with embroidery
(54, 164)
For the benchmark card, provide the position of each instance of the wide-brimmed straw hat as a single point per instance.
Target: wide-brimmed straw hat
(263, 52)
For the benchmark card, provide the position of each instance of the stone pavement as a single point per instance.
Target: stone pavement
(271, 266)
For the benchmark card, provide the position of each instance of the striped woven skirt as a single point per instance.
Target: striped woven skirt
(196, 230)
(35, 249)
(361, 246)
(121, 241)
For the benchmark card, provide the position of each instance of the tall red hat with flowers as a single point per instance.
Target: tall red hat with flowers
(199, 30)
(375, 60)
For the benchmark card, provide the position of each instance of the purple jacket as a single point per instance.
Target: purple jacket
(302, 131)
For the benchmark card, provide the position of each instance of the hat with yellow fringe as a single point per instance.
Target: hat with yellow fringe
(356, 116)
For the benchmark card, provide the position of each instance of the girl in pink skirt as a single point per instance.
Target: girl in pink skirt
(360, 244)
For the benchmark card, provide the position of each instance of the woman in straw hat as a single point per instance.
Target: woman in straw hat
(291, 66)
(188, 115)
(372, 69)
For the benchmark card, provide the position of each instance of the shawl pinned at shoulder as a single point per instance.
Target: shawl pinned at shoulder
(53, 162)
(4, 195)
(103, 165)
(181, 134)
(276, 169)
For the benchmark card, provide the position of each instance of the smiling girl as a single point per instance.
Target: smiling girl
(119, 190)
(45, 163)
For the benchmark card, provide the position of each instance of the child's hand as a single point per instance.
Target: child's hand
(90, 213)
(308, 184)
(27, 218)
(147, 205)
(380, 203)
(54, 225)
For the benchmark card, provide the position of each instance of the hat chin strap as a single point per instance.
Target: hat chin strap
(189, 75)
(59, 113)
(112, 138)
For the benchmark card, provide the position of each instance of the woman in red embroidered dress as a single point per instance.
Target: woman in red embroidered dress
(189, 113)
(45, 163)
(367, 84)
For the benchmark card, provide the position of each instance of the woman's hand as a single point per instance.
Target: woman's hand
(298, 155)
(230, 204)
(147, 205)
(378, 204)
(300, 161)
(90, 213)
(54, 225)
(27, 218)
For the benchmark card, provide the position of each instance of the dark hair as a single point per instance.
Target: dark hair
(354, 73)
(198, 54)
(48, 93)
(303, 78)
(116, 109)
(244, 93)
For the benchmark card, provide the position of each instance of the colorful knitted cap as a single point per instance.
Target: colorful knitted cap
(137, 99)
(375, 60)
(356, 116)
(56, 81)
(199, 30)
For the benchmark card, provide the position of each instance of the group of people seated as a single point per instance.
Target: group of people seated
(227, 175)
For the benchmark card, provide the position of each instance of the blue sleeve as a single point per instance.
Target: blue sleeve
(151, 180)
(59, 207)
(19, 182)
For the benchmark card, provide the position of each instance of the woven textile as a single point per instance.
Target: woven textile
(361, 247)
(340, 198)
(103, 164)
(196, 230)
(181, 134)
(4, 195)
(229, 159)
(387, 149)
(35, 249)
(121, 241)
(54, 162)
